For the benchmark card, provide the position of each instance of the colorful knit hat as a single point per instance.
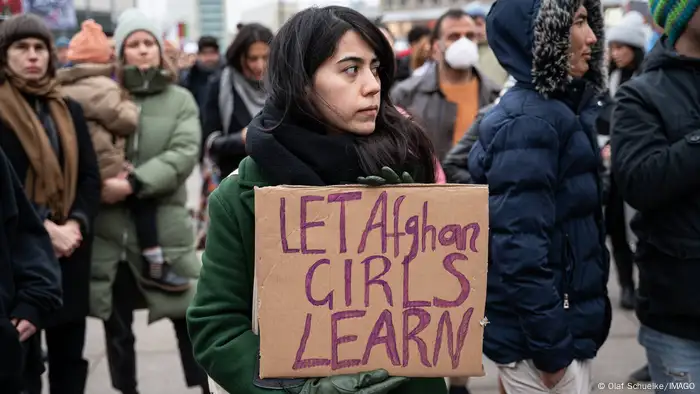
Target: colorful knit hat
(89, 45)
(673, 15)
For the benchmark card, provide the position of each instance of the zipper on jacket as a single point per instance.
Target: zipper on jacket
(124, 237)
(568, 269)
(136, 135)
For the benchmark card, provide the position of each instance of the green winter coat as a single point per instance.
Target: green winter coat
(164, 151)
(220, 316)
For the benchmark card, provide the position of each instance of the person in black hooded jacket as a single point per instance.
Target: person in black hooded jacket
(656, 162)
(30, 285)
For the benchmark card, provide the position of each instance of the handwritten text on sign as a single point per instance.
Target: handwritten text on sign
(353, 279)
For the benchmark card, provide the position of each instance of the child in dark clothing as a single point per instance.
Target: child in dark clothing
(156, 271)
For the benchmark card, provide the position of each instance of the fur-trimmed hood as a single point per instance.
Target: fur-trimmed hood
(531, 40)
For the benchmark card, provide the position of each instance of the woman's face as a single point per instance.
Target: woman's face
(346, 86)
(255, 61)
(621, 54)
(141, 50)
(28, 59)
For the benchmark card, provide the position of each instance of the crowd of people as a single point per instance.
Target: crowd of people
(575, 128)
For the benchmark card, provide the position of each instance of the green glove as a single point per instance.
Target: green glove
(389, 177)
(373, 382)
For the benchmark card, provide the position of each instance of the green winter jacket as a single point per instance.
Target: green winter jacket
(164, 151)
(220, 317)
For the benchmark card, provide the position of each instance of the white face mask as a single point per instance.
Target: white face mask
(462, 54)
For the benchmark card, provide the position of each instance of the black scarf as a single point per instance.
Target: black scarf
(298, 151)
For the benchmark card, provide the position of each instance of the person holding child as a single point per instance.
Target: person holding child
(150, 269)
(112, 117)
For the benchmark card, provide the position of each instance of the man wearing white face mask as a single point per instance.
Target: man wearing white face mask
(447, 98)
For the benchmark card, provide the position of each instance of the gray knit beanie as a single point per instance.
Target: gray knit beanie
(130, 21)
(630, 31)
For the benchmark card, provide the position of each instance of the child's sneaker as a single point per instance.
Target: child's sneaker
(161, 276)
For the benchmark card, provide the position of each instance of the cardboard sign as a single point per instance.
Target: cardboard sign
(353, 278)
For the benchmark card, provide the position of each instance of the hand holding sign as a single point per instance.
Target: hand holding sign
(389, 177)
(351, 279)
(374, 382)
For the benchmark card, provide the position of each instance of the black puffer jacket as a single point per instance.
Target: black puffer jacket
(30, 285)
(656, 163)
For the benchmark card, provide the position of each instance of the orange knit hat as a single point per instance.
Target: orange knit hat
(89, 45)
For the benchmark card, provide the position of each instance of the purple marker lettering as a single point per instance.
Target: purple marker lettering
(397, 234)
(389, 340)
(380, 203)
(348, 282)
(449, 264)
(423, 321)
(309, 277)
(476, 229)
(454, 234)
(427, 228)
(343, 197)
(451, 235)
(462, 331)
(376, 280)
(407, 303)
(283, 227)
(304, 225)
(299, 362)
(413, 230)
(337, 341)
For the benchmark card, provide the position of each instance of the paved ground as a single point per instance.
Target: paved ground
(160, 372)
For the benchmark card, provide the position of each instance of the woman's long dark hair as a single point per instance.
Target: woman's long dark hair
(298, 50)
(247, 35)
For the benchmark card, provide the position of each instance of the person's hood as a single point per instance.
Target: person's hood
(663, 56)
(530, 39)
(79, 71)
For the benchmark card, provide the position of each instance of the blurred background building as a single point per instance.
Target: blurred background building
(186, 20)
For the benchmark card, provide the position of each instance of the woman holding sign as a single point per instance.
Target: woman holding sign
(328, 121)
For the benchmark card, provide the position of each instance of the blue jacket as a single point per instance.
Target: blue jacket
(547, 298)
